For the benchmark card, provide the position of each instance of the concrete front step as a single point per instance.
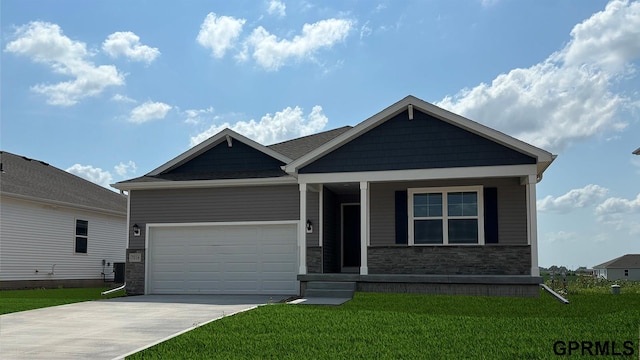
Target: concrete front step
(335, 289)
(334, 285)
(329, 293)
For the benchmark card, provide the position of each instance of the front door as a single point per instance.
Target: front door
(350, 224)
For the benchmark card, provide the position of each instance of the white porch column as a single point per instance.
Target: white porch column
(302, 230)
(364, 226)
(532, 222)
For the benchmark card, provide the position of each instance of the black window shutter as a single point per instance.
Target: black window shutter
(402, 218)
(490, 215)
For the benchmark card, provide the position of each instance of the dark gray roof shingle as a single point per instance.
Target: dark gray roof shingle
(297, 148)
(36, 179)
(629, 261)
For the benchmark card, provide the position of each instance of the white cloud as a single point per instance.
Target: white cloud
(218, 33)
(196, 116)
(609, 38)
(122, 98)
(575, 198)
(128, 44)
(149, 111)
(93, 174)
(283, 125)
(620, 214)
(123, 169)
(567, 97)
(44, 43)
(272, 53)
(277, 8)
(365, 30)
(612, 206)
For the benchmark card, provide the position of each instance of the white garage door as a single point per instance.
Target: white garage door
(223, 259)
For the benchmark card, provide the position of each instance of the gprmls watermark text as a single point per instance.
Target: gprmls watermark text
(594, 348)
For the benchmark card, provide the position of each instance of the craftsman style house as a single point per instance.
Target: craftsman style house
(414, 199)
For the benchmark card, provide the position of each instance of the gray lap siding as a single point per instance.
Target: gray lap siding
(232, 204)
(512, 208)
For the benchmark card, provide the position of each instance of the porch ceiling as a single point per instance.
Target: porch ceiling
(344, 188)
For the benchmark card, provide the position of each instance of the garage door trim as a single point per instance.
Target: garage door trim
(149, 226)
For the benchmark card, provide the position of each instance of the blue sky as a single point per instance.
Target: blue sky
(109, 90)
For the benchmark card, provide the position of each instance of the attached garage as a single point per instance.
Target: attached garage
(222, 259)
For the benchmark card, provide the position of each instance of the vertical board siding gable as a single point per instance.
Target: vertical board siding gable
(222, 158)
(423, 143)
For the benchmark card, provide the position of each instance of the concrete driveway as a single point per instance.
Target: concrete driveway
(114, 328)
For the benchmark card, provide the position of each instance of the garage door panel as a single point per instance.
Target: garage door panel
(224, 259)
(210, 267)
(278, 249)
(268, 268)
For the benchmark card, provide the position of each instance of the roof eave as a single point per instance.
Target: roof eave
(168, 184)
(64, 204)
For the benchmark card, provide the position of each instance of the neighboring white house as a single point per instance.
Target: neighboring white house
(57, 229)
(626, 267)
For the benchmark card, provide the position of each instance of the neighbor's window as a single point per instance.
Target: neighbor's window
(441, 216)
(626, 272)
(82, 234)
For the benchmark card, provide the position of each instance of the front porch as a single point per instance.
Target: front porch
(472, 285)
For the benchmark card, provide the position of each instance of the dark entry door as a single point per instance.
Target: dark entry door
(351, 236)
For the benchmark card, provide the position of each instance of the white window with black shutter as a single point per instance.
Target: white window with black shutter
(446, 216)
(82, 236)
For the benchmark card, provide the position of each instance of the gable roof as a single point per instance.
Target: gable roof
(628, 261)
(25, 178)
(637, 152)
(543, 158)
(169, 175)
(298, 147)
(224, 135)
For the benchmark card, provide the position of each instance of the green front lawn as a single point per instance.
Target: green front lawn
(414, 326)
(21, 300)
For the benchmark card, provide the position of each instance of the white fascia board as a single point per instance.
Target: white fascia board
(421, 174)
(540, 155)
(285, 180)
(213, 141)
(55, 203)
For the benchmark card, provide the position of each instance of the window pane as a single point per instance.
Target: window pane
(81, 245)
(82, 227)
(462, 204)
(427, 231)
(427, 205)
(463, 231)
(469, 204)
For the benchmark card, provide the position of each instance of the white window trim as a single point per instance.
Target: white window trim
(75, 236)
(445, 234)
